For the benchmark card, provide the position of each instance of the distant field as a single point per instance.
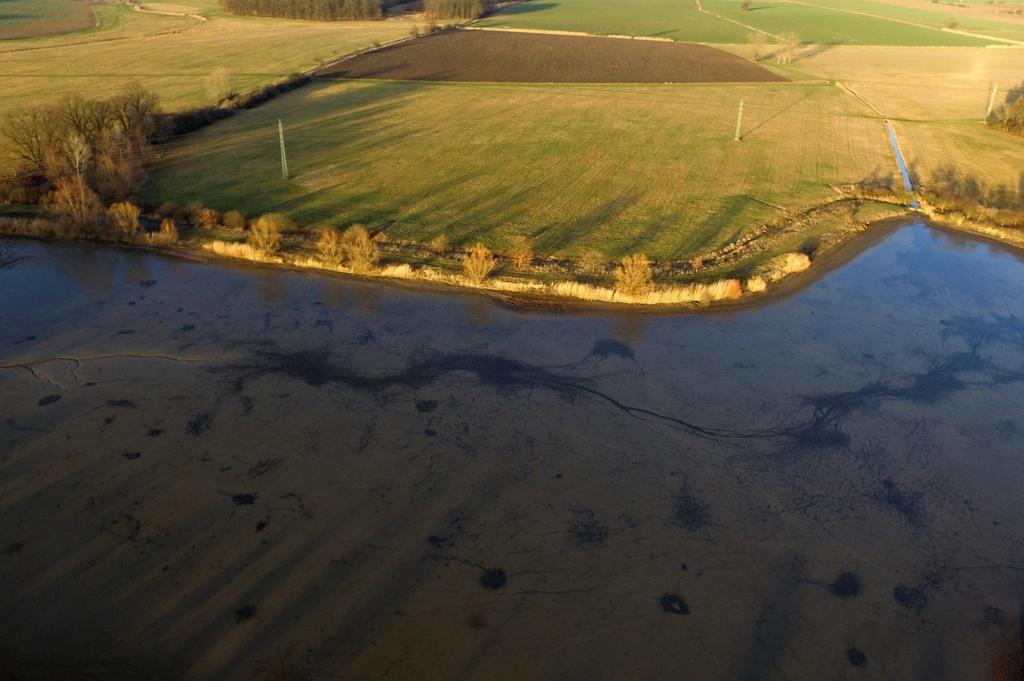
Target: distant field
(493, 57)
(618, 168)
(34, 18)
(175, 55)
(816, 22)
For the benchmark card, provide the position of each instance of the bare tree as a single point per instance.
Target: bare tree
(757, 41)
(219, 85)
(789, 43)
(78, 152)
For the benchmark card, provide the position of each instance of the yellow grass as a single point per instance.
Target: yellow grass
(178, 65)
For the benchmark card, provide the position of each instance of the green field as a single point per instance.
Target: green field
(34, 18)
(830, 22)
(613, 168)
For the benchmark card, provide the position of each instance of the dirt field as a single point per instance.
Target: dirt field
(487, 57)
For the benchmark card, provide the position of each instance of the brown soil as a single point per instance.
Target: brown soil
(497, 56)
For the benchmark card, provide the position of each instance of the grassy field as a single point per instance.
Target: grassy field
(174, 55)
(829, 22)
(33, 18)
(613, 168)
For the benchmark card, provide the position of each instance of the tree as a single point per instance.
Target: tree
(478, 263)
(219, 85)
(757, 41)
(634, 275)
(78, 152)
(32, 134)
(789, 43)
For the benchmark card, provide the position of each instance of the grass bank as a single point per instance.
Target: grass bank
(747, 270)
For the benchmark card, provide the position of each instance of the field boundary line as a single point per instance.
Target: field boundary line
(139, 8)
(894, 20)
(572, 34)
(700, 8)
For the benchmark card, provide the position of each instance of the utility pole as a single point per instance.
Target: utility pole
(284, 154)
(991, 101)
(739, 123)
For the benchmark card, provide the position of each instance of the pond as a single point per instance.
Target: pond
(243, 473)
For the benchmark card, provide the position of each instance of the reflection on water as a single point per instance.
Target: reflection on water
(210, 472)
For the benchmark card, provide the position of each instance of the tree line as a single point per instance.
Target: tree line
(439, 10)
(353, 10)
(1010, 116)
(315, 10)
(81, 150)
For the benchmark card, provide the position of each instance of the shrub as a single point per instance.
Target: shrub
(593, 262)
(439, 244)
(283, 223)
(167, 209)
(265, 234)
(124, 216)
(330, 246)
(167, 236)
(745, 6)
(478, 263)
(235, 220)
(208, 218)
(520, 251)
(74, 204)
(634, 276)
(191, 212)
(360, 250)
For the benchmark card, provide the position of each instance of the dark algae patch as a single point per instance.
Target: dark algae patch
(689, 510)
(131, 456)
(856, 657)
(199, 424)
(246, 612)
(493, 579)
(48, 400)
(588, 532)
(674, 604)
(910, 597)
(847, 585)
(12, 549)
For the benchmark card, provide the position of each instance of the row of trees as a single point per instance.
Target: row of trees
(353, 10)
(439, 10)
(80, 154)
(1010, 116)
(316, 10)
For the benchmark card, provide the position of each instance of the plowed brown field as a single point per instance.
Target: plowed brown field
(504, 57)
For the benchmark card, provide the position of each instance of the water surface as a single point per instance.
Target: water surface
(216, 472)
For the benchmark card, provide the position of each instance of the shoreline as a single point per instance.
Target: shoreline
(541, 296)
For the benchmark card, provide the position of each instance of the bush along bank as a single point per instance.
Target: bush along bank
(513, 272)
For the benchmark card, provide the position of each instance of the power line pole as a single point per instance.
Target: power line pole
(991, 101)
(284, 154)
(739, 123)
